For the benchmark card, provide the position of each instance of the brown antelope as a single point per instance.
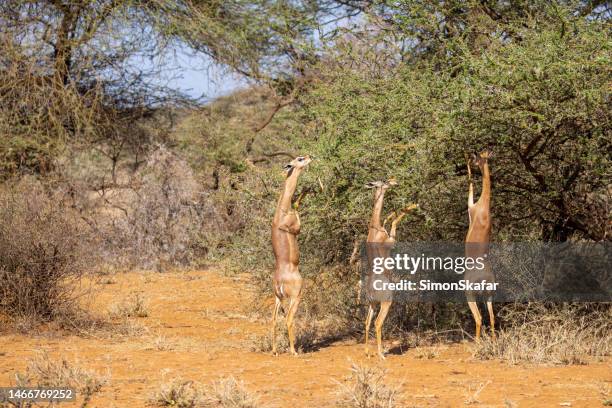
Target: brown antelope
(287, 280)
(379, 245)
(477, 239)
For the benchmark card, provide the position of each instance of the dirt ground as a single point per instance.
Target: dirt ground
(199, 328)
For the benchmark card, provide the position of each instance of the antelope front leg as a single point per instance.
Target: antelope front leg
(394, 225)
(471, 185)
(290, 224)
(390, 216)
(380, 320)
(399, 218)
(297, 203)
(290, 228)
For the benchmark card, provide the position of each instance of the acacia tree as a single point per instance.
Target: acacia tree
(532, 87)
(69, 72)
(84, 70)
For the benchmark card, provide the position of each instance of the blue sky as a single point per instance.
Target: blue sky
(198, 76)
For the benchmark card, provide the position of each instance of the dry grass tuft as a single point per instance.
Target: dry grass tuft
(162, 343)
(178, 393)
(551, 337)
(224, 393)
(366, 388)
(605, 391)
(42, 371)
(130, 328)
(428, 352)
(134, 306)
(229, 393)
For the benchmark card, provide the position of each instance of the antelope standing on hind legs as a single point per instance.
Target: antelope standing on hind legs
(379, 245)
(477, 239)
(287, 280)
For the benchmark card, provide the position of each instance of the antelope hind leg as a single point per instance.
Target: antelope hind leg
(477, 317)
(277, 306)
(367, 328)
(491, 317)
(380, 320)
(290, 323)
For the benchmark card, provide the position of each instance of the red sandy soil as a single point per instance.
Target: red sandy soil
(199, 328)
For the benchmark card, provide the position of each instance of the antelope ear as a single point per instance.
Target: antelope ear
(288, 166)
(474, 158)
(369, 184)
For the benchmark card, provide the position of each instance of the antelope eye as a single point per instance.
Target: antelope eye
(300, 159)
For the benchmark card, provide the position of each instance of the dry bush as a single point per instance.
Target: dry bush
(554, 335)
(332, 293)
(162, 219)
(42, 371)
(605, 391)
(366, 387)
(44, 252)
(224, 393)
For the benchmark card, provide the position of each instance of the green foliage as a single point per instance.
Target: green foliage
(541, 104)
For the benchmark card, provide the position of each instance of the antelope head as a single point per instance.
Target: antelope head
(378, 184)
(300, 163)
(482, 158)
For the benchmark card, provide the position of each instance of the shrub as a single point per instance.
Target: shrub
(44, 251)
(163, 219)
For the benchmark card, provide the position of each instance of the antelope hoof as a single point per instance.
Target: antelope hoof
(294, 353)
(275, 353)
